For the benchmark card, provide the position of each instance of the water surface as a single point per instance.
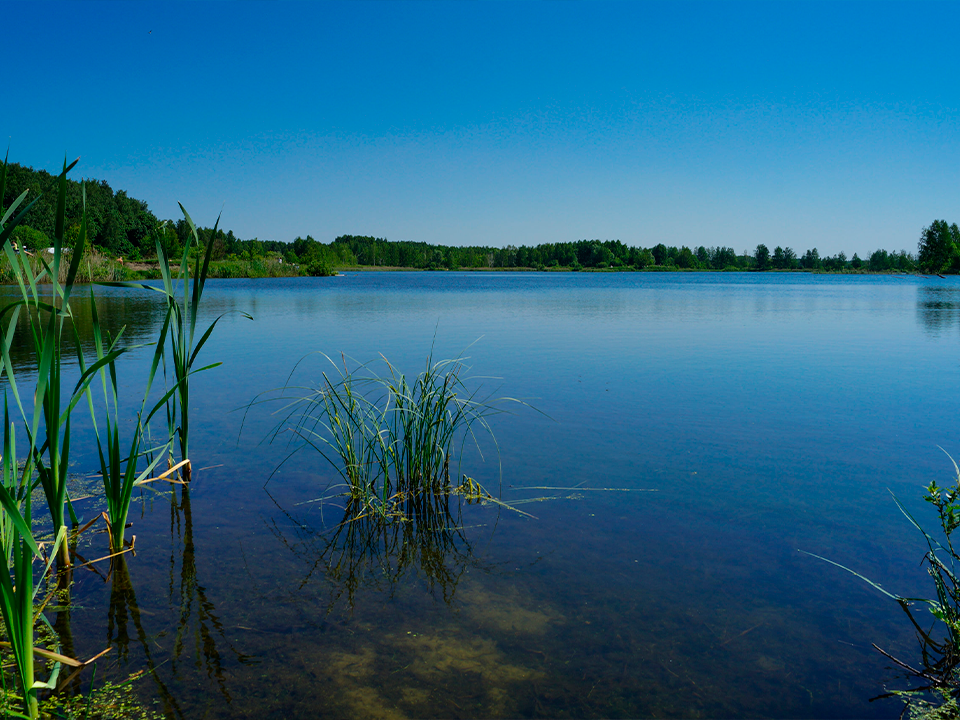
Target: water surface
(739, 418)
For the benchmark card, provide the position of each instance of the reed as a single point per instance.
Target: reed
(48, 317)
(254, 268)
(45, 291)
(18, 593)
(119, 472)
(180, 324)
(46, 287)
(391, 440)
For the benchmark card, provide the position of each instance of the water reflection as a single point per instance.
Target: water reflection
(63, 628)
(367, 552)
(938, 307)
(124, 611)
(761, 409)
(198, 623)
(198, 633)
(139, 315)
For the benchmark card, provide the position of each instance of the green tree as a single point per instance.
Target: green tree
(938, 243)
(30, 239)
(779, 259)
(762, 256)
(724, 257)
(790, 258)
(639, 257)
(879, 261)
(686, 258)
(903, 261)
(659, 254)
(811, 260)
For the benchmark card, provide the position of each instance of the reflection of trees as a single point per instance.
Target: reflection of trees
(938, 307)
(138, 313)
(366, 550)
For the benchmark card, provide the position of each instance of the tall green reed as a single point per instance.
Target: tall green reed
(180, 324)
(120, 473)
(18, 593)
(48, 317)
(45, 291)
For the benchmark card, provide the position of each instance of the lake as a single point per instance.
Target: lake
(684, 437)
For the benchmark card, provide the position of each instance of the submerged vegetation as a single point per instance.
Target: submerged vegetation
(356, 551)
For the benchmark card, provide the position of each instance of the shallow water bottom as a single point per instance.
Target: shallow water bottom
(266, 611)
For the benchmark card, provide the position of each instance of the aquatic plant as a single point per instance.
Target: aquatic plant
(390, 440)
(939, 672)
(47, 320)
(120, 473)
(110, 701)
(17, 594)
(47, 455)
(181, 323)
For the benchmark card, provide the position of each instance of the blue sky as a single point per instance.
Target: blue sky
(830, 125)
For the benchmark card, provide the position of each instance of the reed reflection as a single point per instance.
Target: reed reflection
(365, 551)
(123, 612)
(62, 625)
(198, 632)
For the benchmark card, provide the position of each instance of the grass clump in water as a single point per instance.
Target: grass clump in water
(391, 439)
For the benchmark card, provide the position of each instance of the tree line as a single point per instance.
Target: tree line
(121, 225)
(597, 254)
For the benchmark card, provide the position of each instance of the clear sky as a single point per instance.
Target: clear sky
(831, 125)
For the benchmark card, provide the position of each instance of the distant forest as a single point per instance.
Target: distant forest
(122, 226)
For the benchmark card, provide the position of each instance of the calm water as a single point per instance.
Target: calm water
(737, 418)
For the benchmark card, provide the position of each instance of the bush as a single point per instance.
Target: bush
(320, 268)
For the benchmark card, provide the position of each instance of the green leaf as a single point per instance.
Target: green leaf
(13, 512)
(62, 200)
(8, 229)
(77, 253)
(13, 206)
